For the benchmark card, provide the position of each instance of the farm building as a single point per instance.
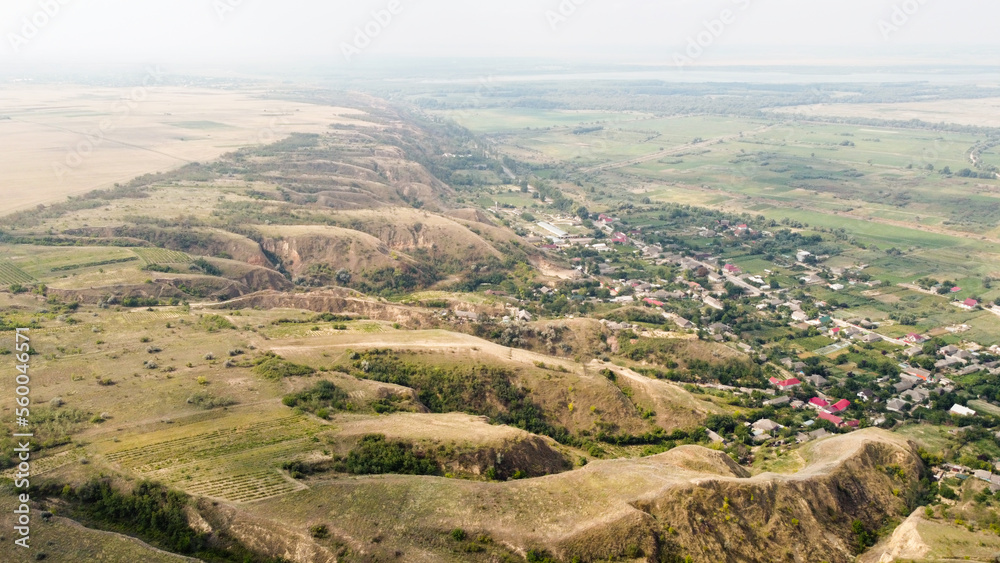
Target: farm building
(552, 229)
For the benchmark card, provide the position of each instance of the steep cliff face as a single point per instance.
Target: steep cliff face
(802, 518)
(300, 248)
(805, 517)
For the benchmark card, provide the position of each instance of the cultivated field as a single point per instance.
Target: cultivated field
(981, 112)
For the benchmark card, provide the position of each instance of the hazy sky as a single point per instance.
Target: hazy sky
(326, 31)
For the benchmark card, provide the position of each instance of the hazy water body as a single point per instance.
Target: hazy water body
(745, 75)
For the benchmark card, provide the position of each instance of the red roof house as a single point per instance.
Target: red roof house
(839, 406)
(818, 402)
(653, 302)
(970, 303)
(836, 420)
(786, 384)
(619, 238)
(732, 268)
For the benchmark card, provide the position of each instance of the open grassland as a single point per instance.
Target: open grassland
(53, 144)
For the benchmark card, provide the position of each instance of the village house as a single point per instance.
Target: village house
(818, 403)
(918, 373)
(917, 395)
(766, 425)
(713, 303)
(895, 405)
(949, 350)
(949, 362)
(968, 304)
(718, 328)
(839, 406)
(836, 420)
(816, 380)
(961, 410)
(785, 384)
(778, 401)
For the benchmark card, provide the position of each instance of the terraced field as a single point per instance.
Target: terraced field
(246, 487)
(47, 262)
(161, 256)
(11, 274)
(49, 463)
(238, 460)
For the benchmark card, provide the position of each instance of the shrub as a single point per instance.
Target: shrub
(540, 556)
(458, 534)
(319, 531)
(206, 267)
(376, 455)
(272, 366)
(215, 323)
(208, 401)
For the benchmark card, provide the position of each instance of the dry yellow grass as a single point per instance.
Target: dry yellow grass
(53, 144)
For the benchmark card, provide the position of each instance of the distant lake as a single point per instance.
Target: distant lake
(763, 75)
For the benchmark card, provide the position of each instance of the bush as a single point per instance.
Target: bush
(540, 556)
(458, 534)
(208, 401)
(272, 366)
(319, 531)
(375, 455)
(862, 536)
(215, 323)
(206, 267)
